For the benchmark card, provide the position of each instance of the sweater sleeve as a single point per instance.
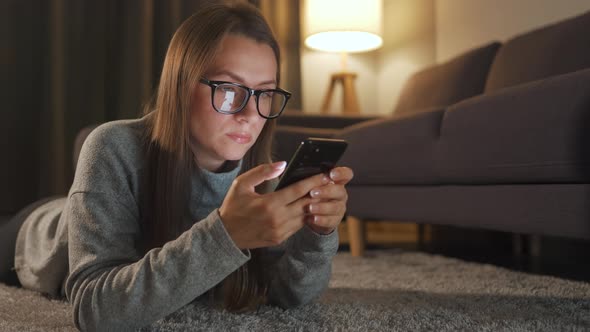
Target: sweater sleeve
(302, 267)
(110, 284)
(111, 289)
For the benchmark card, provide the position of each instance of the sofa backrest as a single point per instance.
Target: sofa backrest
(556, 49)
(444, 84)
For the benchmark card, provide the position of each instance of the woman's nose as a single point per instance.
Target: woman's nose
(250, 109)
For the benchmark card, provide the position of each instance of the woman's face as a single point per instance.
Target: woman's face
(216, 137)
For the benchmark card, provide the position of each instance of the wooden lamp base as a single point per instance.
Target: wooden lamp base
(349, 100)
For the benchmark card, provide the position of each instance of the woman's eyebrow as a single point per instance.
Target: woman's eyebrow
(240, 79)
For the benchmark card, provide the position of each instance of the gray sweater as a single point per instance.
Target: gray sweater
(84, 246)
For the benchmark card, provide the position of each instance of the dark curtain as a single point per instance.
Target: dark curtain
(67, 64)
(283, 17)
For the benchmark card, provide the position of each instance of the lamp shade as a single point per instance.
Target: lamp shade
(343, 25)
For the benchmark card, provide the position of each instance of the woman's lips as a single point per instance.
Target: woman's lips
(240, 138)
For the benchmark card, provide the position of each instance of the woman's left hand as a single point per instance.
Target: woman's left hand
(329, 202)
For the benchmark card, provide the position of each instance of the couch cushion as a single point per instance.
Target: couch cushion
(447, 83)
(533, 133)
(556, 49)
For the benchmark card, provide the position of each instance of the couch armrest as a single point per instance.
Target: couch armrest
(537, 132)
(333, 121)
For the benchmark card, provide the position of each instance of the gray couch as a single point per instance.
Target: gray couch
(497, 138)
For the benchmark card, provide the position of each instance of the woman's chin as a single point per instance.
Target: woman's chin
(234, 155)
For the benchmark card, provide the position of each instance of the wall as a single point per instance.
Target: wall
(409, 45)
(463, 24)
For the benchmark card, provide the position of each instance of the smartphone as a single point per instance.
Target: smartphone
(313, 156)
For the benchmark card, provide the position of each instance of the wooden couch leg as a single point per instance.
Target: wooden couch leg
(356, 235)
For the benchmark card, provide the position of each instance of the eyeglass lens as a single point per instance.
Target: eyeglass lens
(230, 98)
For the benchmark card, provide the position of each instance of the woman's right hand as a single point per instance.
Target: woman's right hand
(260, 220)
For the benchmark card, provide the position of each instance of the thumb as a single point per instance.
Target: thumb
(262, 173)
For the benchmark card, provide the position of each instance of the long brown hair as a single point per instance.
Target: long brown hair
(170, 159)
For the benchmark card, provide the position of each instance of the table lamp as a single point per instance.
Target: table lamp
(344, 26)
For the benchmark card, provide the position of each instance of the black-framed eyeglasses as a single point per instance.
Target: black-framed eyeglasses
(231, 98)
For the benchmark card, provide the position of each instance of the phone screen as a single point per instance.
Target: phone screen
(313, 156)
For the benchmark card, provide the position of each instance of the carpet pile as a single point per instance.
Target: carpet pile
(389, 290)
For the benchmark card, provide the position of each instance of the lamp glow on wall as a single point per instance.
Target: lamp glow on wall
(343, 26)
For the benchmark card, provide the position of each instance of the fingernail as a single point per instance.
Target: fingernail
(310, 208)
(315, 193)
(315, 219)
(279, 165)
(325, 179)
(334, 175)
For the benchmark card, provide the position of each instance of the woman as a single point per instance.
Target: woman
(178, 204)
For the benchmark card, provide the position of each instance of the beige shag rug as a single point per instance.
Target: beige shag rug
(390, 290)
